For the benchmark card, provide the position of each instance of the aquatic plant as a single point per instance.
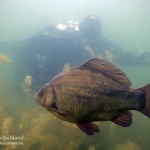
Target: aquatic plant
(129, 145)
(66, 67)
(109, 55)
(88, 49)
(91, 147)
(5, 129)
(27, 84)
(45, 131)
(6, 124)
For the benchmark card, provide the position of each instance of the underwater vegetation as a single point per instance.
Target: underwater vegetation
(66, 67)
(27, 84)
(5, 130)
(127, 146)
(6, 124)
(5, 59)
(109, 55)
(89, 50)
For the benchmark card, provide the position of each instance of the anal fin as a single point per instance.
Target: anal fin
(88, 128)
(124, 119)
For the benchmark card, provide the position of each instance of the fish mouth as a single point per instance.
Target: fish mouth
(38, 99)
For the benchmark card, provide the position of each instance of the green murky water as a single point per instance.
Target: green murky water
(126, 22)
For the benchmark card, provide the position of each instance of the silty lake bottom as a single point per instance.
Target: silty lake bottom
(27, 124)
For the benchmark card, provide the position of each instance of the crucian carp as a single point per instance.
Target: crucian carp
(94, 91)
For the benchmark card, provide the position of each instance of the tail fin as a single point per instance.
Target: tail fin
(146, 110)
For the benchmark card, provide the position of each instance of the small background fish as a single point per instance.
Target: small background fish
(5, 59)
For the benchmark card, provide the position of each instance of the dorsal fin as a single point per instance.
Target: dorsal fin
(107, 68)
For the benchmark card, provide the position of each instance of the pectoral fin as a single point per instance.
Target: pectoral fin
(54, 108)
(59, 112)
(88, 128)
(124, 120)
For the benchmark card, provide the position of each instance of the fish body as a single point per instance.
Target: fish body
(78, 93)
(94, 91)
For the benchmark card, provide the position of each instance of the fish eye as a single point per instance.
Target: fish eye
(41, 92)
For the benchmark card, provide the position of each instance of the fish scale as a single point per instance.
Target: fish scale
(78, 89)
(73, 90)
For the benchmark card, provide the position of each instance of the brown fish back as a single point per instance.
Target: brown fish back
(107, 68)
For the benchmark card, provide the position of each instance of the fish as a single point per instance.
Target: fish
(95, 91)
(4, 59)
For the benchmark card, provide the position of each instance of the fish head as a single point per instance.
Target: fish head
(45, 96)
